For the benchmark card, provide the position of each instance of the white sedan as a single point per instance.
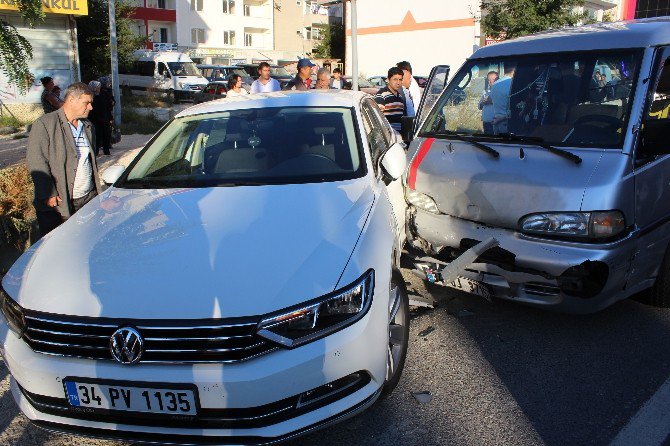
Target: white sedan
(238, 283)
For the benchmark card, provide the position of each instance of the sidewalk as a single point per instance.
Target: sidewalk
(123, 152)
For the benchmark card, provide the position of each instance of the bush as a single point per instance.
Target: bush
(11, 121)
(17, 214)
(133, 122)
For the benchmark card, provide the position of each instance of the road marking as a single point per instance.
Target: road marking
(651, 424)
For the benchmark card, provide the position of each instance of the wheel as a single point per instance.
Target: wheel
(398, 332)
(659, 294)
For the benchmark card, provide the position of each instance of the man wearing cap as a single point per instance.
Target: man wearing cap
(50, 102)
(302, 81)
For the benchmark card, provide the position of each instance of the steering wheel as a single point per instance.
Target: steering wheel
(317, 155)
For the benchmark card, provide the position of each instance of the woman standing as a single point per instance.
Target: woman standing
(103, 107)
(235, 86)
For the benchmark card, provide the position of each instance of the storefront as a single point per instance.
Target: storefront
(55, 53)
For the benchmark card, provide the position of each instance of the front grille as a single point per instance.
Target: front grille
(174, 341)
(541, 289)
(196, 87)
(232, 418)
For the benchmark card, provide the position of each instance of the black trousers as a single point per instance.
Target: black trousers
(50, 220)
(103, 137)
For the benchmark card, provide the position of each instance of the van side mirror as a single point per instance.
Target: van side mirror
(407, 128)
(394, 162)
(112, 173)
(654, 138)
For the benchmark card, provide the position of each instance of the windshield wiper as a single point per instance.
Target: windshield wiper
(539, 142)
(465, 137)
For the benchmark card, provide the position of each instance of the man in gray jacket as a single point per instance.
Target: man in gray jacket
(61, 159)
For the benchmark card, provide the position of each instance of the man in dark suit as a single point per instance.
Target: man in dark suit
(61, 160)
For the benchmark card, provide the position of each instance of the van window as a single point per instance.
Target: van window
(162, 69)
(183, 68)
(571, 99)
(660, 106)
(144, 68)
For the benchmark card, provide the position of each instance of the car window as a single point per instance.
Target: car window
(251, 146)
(387, 130)
(660, 105)
(577, 99)
(373, 132)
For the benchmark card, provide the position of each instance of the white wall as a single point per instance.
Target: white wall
(381, 48)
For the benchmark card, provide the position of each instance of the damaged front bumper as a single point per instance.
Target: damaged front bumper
(565, 276)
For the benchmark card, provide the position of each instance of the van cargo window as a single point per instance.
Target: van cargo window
(579, 99)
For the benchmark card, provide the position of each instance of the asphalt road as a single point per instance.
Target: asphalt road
(12, 151)
(497, 374)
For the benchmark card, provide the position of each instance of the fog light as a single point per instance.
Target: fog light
(586, 280)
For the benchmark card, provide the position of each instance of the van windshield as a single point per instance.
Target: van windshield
(183, 69)
(251, 147)
(571, 99)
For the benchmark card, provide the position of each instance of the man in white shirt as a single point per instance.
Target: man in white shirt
(410, 88)
(337, 82)
(264, 83)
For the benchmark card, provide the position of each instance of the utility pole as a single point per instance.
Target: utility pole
(115, 62)
(354, 46)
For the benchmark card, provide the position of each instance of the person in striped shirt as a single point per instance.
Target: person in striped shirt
(391, 100)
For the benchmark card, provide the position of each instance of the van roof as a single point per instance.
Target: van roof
(163, 56)
(599, 36)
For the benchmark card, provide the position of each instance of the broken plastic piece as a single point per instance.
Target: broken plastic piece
(423, 397)
(450, 272)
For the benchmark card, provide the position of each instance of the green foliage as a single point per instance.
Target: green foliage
(134, 122)
(506, 19)
(16, 209)
(332, 44)
(15, 50)
(93, 38)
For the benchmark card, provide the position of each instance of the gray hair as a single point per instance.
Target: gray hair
(77, 89)
(322, 71)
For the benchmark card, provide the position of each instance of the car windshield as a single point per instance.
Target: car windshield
(183, 69)
(279, 71)
(239, 71)
(251, 147)
(571, 99)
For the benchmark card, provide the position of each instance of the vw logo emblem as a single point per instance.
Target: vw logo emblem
(126, 345)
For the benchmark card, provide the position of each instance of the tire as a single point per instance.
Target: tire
(398, 332)
(659, 294)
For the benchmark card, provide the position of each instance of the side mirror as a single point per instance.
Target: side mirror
(407, 128)
(394, 161)
(654, 138)
(112, 173)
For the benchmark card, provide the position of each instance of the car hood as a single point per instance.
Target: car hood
(195, 253)
(469, 183)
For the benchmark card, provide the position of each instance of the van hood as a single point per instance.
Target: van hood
(195, 253)
(469, 183)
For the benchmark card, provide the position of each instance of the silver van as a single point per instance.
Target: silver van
(558, 146)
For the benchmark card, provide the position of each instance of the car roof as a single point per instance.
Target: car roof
(217, 66)
(312, 98)
(641, 33)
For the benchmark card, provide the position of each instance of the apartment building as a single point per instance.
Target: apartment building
(640, 9)
(299, 26)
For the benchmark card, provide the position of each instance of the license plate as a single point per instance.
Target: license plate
(131, 398)
(470, 286)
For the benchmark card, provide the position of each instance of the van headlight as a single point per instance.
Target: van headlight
(421, 200)
(320, 317)
(597, 225)
(183, 86)
(13, 314)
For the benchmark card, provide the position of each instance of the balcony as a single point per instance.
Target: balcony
(257, 9)
(160, 10)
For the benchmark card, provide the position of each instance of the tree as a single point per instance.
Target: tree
(15, 50)
(93, 38)
(506, 19)
(332, 44)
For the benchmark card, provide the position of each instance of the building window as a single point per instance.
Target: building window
(229, 38)
(196, 5)
(229, 6)
(317, 33)
(247, 10)
(197, 35)
(163, 32)
(298, 2)
(307, 33)
(248, 39)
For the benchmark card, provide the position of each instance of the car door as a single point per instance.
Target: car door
(437, 82)
(380, 136)
(652, 172)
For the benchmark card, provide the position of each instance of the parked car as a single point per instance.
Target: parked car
(363, 85)
(377, 81)
(168, 72)
(573, 181)
(213, 90)
(237, 283)
(222, 72)
(277, 72)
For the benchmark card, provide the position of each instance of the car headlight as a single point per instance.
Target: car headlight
(13, 313)
(421, 200)
(182, 86)
(575, 224)
(319, 317)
